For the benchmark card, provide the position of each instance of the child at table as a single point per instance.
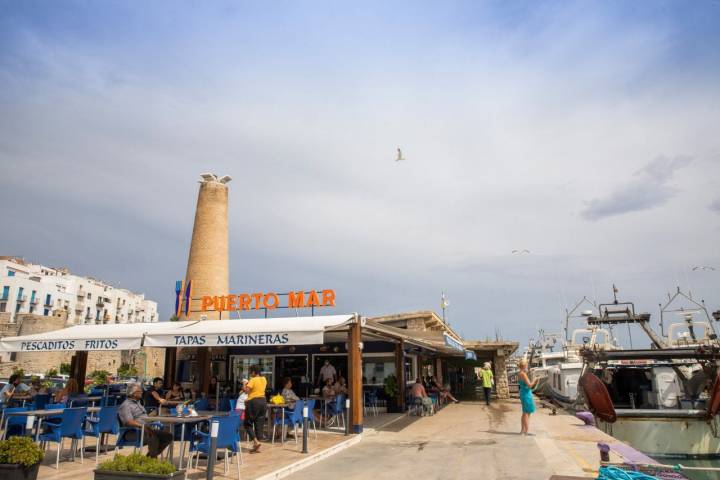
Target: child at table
(240, 404)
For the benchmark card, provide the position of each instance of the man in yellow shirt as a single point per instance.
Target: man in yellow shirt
(486, 378)
(255, 407)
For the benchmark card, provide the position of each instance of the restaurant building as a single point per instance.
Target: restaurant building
(210, 339)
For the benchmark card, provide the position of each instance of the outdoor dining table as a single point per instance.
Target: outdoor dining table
(91, 400)
(323, 401)
(170, 420)
(39, 415)
(275, 406)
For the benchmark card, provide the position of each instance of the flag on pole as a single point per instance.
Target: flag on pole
(444, 303)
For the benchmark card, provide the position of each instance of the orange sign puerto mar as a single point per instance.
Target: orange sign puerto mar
(270, 300)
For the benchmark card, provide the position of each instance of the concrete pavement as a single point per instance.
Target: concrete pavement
(468, 440)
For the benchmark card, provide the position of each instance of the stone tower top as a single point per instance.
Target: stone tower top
(208, 267)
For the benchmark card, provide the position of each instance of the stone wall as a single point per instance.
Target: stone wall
(501, 378)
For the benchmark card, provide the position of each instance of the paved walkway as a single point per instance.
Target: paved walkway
(468, 440)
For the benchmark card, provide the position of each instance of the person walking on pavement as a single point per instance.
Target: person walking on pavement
(487, 380)
(255, 407)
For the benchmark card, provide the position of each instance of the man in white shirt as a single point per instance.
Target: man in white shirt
(327, 372)
(13, 386)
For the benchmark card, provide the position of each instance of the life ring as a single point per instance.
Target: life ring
(598, 397)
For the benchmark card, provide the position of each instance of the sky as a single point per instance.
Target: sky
(585, 132)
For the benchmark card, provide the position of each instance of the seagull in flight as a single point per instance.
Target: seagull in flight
(704, 268)
(399, 155)
(520, 252)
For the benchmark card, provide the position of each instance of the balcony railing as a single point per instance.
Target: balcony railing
(22, 298)
(34, 301)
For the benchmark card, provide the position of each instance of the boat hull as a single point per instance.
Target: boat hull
(677, 433)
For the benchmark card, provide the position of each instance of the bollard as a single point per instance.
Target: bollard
(306, 425)
(604, 452)
(347, 416)
(212, 454)
(29, 422)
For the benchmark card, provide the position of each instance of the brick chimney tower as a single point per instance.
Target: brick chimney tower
(208, 267)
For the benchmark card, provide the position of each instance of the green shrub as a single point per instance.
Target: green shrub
(19, 372)
(52, 372)
(127, 370)
(391, 386)
(65, 369)
(20, 450)
(99, 377)
(138, 463)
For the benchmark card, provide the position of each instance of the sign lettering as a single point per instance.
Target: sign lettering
(269, 301)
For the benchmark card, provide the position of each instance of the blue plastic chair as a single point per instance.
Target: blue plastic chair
(70, 426)
(54, 418)
(227, 440)
(371, 402)
(77, 400)
(292, 418)
(106, 422)
(122, 441)
(40, 400)
(202, 404)
(311, 415)
(15, 423)
(337, 410)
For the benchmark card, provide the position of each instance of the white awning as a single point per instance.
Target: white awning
(115, 336)
(250, 332)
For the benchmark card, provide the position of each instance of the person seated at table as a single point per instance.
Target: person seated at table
(152, 397)
(175, 394)
(188, 395)
(328, 391)
(130, 412)
(242, 397)
(341, 386)
(37, 388)
(443, 392)
(288, 394)
(15, 387)
(420, 396)
(71, 388)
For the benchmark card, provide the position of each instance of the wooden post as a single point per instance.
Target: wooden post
(203, 364)
(400, 374)
(355, 376)
(170, 366)
(439, 373)
(78, 368)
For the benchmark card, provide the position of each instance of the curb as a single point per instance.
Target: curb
(311, 460)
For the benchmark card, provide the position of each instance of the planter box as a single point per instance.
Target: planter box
(18, 472)
(108, 475)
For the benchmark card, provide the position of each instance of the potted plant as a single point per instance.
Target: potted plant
(19, 459)
(137, 466)
(391, 392)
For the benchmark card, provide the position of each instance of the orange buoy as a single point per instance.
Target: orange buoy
(598, 397)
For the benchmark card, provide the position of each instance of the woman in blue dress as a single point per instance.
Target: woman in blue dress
(526, 398)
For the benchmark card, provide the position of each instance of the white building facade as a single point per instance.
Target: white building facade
(39, 290)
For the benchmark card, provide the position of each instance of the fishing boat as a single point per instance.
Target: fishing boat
(664, 400)
(562, 376)
(541, 355)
